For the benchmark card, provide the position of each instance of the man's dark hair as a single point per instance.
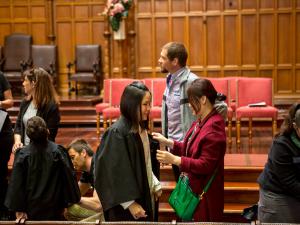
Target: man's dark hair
(131, 104)
(176, 50)
(79, 144)
(37, 130)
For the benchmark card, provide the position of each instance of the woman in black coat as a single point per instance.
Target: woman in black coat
(279, 194)
(126, 177)
(43, 181)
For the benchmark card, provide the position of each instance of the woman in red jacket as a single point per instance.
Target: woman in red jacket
(202, 151)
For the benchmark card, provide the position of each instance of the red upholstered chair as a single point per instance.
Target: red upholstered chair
(117, 87)
(222, 86)
(254, 90)
(157, 87)
(105, 103)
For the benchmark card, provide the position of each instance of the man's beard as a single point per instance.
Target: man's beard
(164, 70)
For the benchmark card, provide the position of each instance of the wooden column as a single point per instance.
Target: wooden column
(51, 33)
(107, 50)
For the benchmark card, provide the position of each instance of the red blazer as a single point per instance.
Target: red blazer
(205, 151)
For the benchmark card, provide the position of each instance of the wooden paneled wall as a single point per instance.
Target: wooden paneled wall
(61, 22)
(256, 38)
(76, 22)
(24, 16)
(259, 38)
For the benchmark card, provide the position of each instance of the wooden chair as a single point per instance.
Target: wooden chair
(87, 67)
(45, 56)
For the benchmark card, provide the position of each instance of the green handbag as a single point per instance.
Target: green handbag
(183, 200)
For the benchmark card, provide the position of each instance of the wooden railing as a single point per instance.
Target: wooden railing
(112, 223)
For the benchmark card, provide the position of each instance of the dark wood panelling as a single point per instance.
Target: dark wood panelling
(284, 38)
(284, 85)
(179, 29)
(196, 5)
(249, 4)
(249, 39)
(77, 22)
(297, 83)
(266, 40)
(256, 38)
(297, 38)
(196, 43)
(267, 4)
(214, 44)
(231, 56)
(145, 53)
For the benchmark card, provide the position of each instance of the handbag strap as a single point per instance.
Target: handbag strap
(205, 189)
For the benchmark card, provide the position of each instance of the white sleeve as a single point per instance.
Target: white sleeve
(125, 205)
(156, 183)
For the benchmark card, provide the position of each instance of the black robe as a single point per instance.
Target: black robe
(43, 182)
(120, 173)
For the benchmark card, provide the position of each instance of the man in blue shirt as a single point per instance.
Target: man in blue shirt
(177, 116)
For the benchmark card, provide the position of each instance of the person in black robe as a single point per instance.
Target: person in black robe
(43, 180)
(125, 180)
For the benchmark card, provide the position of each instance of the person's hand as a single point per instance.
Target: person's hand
(157, 194)
(162, 140)
(21, 215)
(137, 211)
(16, 146)
(168, 158)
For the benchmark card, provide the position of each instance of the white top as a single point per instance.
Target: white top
(30, 112)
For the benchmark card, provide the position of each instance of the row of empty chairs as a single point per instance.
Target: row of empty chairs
(240, 92)
(19, 54)
(112, 92)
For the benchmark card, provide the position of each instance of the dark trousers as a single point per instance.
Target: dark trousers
(176, 172)
(6, 140)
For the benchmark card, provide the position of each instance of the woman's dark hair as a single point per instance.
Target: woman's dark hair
(37, 130)
(130, 105)
(44, 91)
(202, 87)
(79, 144)
(293, 116)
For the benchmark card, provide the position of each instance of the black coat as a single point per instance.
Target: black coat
(50, 113)
(282, 170)
(120, 172)
(43, 182)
